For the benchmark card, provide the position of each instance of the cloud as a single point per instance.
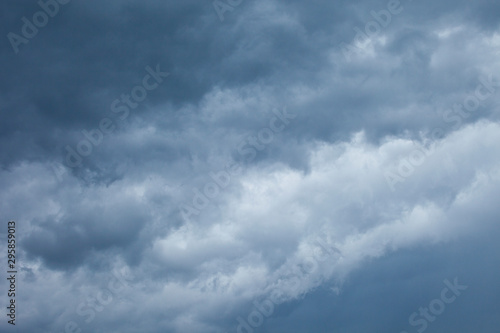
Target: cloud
(387, 162)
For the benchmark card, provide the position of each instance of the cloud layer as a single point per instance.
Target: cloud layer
(268, 181)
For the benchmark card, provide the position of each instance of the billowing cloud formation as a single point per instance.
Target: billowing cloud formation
(242, 166)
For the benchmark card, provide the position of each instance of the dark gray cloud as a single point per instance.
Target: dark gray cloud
(187, 198)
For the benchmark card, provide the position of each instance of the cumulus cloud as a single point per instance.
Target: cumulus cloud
(269, 182)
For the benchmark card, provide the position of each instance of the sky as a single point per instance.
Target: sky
(250, 166)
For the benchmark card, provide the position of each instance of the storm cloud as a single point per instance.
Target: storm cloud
(251, 166)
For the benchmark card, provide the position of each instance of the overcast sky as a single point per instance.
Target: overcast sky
(251, 166)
